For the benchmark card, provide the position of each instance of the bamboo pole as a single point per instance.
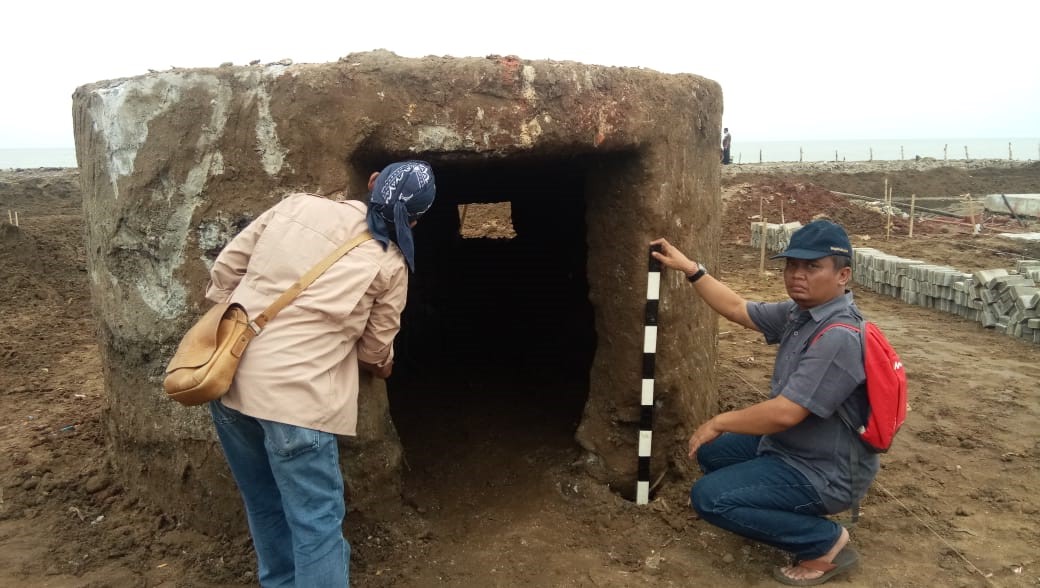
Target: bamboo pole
(16, 223)
(762, 257)
(888, 222)
(884, 201)
(971, 214)
(781, 211)
(1011, 210)
(913, 202)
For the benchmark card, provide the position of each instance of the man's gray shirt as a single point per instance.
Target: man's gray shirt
(820, 376)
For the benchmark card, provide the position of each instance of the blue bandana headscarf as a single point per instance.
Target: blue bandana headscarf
(401, 194)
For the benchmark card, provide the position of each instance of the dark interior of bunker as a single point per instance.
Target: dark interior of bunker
(498, 335)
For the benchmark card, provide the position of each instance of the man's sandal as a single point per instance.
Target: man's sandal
(844, 561)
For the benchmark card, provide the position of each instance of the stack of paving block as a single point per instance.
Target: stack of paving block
(913, 281)
(1012, 299)
(999, 299)
(777, 235)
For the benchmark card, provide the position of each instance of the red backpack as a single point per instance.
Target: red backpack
(886, 387)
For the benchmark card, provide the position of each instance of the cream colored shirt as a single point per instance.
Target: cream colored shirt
(303, 367)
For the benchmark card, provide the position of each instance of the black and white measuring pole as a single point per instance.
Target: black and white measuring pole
(646, 413)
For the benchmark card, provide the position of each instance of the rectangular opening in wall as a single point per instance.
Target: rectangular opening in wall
(498, 336)
(486, 221)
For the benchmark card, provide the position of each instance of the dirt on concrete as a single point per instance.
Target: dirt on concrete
(954, 505)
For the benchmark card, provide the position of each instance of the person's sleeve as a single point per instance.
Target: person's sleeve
(376, 345)
(233, 260)
(770, 318)
(830, 370)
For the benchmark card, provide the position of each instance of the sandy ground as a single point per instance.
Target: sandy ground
(954, 505)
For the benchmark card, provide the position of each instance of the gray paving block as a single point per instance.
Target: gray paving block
(985, 277)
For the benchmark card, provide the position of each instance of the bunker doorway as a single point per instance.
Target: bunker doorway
(497, 340)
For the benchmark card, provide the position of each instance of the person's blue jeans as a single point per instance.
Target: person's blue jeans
(761, 498)
(292, 488)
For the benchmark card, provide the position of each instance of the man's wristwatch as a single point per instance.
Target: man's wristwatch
(700, 273)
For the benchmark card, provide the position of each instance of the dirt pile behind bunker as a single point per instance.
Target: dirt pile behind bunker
(784, 201)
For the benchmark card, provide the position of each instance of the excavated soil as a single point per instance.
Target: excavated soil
(954, 505)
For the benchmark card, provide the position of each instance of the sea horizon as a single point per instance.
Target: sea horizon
(751, 151)
(950, 149)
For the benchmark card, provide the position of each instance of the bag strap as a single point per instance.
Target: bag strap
(843, 414)
(282, 301)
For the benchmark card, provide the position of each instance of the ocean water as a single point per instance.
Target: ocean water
(1021, 149)
(32, 158)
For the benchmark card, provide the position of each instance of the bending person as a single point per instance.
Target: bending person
(297, 384)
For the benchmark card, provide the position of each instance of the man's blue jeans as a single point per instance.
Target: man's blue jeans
(292, 487)
(761, 498)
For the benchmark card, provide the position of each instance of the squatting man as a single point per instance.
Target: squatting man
(773, 470)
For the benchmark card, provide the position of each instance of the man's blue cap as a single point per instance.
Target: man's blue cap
(817, 239)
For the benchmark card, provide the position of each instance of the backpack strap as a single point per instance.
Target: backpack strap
(843, 414)
(831, 326)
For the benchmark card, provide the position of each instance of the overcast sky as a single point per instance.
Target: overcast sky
(789, 70)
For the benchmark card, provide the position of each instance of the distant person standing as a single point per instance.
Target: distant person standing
(726, 139)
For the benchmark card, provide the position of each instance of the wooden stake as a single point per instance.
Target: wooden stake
(966, 153)
(16, 223)
(762, 259)
(800, 155)
(971, 212)
(10, 218)
(913, 201)
(1009, 151)
(781, 211)
(944, 151)
(760, 156)
(888, 222)
(901, 153)
(871, 154)
(835, 155)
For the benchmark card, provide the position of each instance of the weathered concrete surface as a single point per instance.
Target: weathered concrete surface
(174, 163)
(1021, 204)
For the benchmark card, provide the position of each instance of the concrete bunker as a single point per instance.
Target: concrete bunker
(545, 327)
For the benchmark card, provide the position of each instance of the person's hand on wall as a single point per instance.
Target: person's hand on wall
(671, 257)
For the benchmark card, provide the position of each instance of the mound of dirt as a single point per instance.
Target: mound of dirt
(44, 191)
(928, 180)
(16, 247)
(784, 201)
